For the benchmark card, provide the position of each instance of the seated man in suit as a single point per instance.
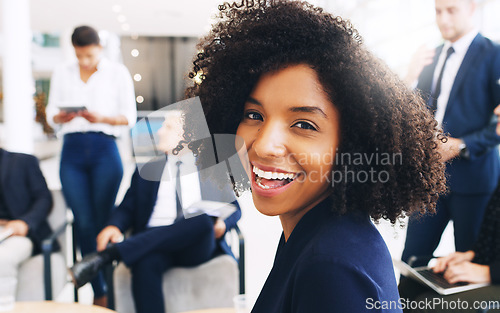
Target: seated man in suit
(152, 209)
(25, 203)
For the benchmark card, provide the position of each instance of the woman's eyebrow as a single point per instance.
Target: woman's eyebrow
(308, 109)
(252, 100)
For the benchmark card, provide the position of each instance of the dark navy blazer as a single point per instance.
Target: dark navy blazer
(137, 206)
(331, 264)
(469, 116)
(26, 195)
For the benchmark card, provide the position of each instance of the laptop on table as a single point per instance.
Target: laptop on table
(436, 281)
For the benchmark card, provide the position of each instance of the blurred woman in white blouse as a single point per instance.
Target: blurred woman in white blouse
(90, 100)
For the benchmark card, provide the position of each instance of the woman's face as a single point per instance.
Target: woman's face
(291, 132)
(88, 56)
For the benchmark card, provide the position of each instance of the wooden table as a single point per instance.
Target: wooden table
(57, 307)
(221, 310)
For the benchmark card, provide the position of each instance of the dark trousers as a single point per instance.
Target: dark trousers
(424, 232)
(150, 253)
(91, 171)
(417, 298)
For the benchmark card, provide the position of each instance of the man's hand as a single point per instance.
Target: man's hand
(18, 227)
(468, 272)
(219, 228)
(452, 259)
(108, 234)
(422, 57)
(450, 149)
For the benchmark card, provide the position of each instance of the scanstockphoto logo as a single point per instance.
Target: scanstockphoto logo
(432, 304)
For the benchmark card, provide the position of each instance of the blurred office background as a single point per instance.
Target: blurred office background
(156, 40)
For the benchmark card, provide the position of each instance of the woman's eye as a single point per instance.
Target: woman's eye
(254, 116)
(304, 125)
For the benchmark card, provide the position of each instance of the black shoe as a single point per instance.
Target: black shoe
(87, 269)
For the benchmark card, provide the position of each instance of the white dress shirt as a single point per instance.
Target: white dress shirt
(165, 210)
(109, 92)
(450, 72)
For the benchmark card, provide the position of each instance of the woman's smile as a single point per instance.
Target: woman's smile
(270, 182)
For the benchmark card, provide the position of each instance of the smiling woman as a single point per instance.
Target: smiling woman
(308, 99)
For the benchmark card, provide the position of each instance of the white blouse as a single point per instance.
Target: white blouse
(109, 92)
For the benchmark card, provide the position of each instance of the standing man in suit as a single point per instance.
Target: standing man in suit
(461, 83)
(25, 203)
(161, 237)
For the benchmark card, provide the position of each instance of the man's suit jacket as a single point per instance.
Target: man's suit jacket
(137, 206)
(26, 194)
(469, 116)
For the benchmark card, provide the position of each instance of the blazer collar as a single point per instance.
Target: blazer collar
(472, 54)
(153, 169)
(304, 231)
(462, 45)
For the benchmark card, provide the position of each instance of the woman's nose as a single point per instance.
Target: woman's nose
(269, 142)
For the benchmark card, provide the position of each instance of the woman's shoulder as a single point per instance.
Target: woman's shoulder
(348, 233)
(347, 241)
(354, 273)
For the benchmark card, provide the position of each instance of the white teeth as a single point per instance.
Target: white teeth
(272, 175)
(260, 184)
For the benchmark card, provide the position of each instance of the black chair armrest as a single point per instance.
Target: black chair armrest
(48, 243)
(48, 246)
(241, 258)
(108, 277)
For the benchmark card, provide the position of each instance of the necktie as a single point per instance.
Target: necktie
(437, 90)
(178, 190)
